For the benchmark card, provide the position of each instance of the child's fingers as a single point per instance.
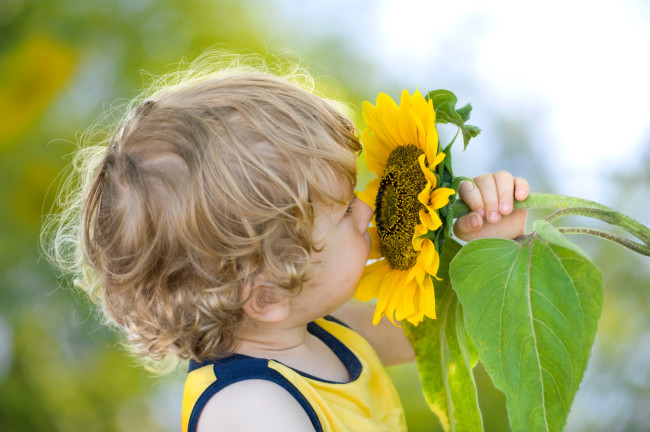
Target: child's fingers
(471, 195)
(505, 190)
(488, 189)
(522, 189)
(467, 224)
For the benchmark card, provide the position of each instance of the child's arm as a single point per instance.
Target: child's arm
(388, 340)
(492, 215)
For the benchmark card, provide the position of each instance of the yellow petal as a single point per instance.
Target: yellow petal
(417, 300)
(430, 220)
(440, 198)
(425, 196)
(429, 258)
(389, 285)
(428, 174)
(431, 112)
(424, 110)
(406, 306)
(369, 196)
(373, 118)
(388, 112)
(371, 280)
(376, 152)
(416, 274)
(439, 158)
(419, 231)
(396, 298)
(431, 145)
(375, 251)
(406, 119)
(421, 132)
(428, 299)
(413, 319)
(402, 118)
(385, 290)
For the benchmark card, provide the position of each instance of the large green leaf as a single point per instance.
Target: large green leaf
(531, 308)
(445, 356)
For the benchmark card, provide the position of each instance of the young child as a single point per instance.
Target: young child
(219, 225)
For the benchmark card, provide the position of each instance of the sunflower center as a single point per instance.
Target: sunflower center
(397, 206)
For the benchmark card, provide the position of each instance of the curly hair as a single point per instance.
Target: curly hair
(207, 181)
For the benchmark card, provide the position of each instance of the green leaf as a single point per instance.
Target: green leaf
(548, 232)
(445, 356)
(444, 103)
(532, 309)
(469, 132)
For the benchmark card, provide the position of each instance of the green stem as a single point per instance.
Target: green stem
(610, 216)
(566, 206)
(636, 247)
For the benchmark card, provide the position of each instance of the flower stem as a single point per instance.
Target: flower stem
(567, 206)
(636, 247)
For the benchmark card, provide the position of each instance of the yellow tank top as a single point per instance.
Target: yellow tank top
(368, 402)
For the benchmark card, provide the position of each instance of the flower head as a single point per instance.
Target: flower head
(401, 144)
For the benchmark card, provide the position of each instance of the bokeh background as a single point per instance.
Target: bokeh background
(560, 89)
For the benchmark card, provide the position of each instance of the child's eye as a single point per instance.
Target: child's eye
(350, 208)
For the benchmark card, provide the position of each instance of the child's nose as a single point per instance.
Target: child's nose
(365, 215)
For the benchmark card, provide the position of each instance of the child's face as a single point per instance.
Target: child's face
(337, 268)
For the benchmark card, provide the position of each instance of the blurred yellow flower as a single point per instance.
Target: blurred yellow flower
(401, 145)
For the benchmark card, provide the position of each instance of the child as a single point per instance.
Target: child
(219, 225)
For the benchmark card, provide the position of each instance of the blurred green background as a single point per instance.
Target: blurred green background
(63, 62)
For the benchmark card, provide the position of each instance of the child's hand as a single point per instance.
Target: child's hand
(491, 201)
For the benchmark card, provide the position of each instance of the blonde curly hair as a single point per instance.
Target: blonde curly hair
(210, 177)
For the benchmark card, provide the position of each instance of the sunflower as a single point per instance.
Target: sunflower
(401, 144)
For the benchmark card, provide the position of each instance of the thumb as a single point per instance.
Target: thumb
(467, 224)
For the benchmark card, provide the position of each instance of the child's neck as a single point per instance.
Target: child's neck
(295, 347)
(271, 339)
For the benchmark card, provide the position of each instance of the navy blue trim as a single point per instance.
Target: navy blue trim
(239, 368)
(347, 357)
(336, 320)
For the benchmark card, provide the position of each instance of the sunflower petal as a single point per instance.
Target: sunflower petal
(386, 291)
(428, 301)
(429, 258)
(371, 280)
(388, 111)
(376, 152)
(375, 251)
(402, 118)
(421, 132)
(369, 196)
(440, 198)
(416, 273)
(431, 144)
(375, 124)
(430, 176)
(419, 231)
(406, 119)
(430, 220)
(439, 158)
(406, 306)
(425, 196)
(396, 298)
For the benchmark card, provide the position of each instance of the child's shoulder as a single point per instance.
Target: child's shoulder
(253, 405)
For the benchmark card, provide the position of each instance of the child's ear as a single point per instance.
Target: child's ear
(267, 303)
